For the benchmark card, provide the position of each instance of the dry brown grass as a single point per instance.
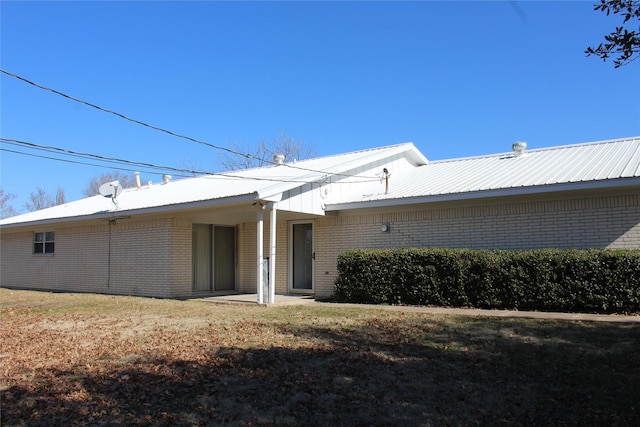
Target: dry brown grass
(70, 359)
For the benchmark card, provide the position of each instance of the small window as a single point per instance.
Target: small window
(44, 243)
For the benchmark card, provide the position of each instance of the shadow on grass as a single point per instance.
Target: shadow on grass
(382, 372)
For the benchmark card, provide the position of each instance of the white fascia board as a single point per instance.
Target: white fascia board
(277, 197)
(416, 157)
(251, 197)
(516, 191)
(413, 155)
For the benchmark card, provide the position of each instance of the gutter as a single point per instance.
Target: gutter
(251, 197)
(483, 194)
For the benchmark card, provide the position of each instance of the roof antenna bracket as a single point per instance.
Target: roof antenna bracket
(386, 173)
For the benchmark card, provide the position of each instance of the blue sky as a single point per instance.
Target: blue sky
(456, 78)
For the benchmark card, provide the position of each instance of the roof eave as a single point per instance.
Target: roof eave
(483, 194)
(250, 197)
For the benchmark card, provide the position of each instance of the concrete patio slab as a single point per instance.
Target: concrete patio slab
(282, 300)
(253, 299)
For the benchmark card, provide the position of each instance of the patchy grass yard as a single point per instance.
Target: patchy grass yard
(74, 359)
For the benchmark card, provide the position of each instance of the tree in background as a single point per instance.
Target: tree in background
(6, 209)
(127, 180)
(622, 41)
(61, 199)
(40, 199)
(262, 153)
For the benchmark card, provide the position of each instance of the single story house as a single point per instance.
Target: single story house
(279, 229)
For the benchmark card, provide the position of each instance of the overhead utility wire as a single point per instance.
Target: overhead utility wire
(127, 162)
(112, 161)
(177, 135)
(74, 161)
(97, 157)
(71, 153)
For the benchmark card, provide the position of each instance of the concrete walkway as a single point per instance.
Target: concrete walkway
(253, 299)
(282, 300)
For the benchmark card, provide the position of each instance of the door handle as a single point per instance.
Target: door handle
(313, 255)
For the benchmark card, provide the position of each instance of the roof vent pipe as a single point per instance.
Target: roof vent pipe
(278, 159)
(137, 174)
(166, 178)
(519, 147)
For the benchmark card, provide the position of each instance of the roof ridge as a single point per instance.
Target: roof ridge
(537, 150)
(583, 144)
(349, 153)
(296, 162)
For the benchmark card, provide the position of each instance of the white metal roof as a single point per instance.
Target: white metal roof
(263, 183)
(591, 165)
(582, 166)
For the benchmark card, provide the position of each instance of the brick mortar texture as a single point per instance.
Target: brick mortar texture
(581, 223)
(137, 261)
(153, 257)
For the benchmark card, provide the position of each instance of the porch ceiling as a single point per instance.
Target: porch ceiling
(235, 214)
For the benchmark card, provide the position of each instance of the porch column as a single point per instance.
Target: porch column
(260, 271)
(272, 255)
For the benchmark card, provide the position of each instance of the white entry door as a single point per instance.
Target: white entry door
(302, 256)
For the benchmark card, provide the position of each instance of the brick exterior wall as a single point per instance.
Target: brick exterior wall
(80, 261)
(153, 257)
(580, 223)
(181, 268)
(147, 258)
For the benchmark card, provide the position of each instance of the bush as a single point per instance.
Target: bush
(600, 281)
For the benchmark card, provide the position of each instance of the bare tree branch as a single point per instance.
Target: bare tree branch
(6, 209)
(39, 199)
(262, 153)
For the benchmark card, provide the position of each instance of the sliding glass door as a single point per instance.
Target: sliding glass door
(214, 258)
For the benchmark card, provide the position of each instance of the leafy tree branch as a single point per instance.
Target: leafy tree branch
(623, 42)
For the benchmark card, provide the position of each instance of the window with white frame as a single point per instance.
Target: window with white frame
(44, 242)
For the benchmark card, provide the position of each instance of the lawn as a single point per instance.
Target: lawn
(80, 359)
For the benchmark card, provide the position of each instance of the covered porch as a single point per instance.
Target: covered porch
(256, 247)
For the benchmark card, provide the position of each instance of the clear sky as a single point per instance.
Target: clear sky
(457, 79)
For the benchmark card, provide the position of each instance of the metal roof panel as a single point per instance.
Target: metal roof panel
(580, 163)
(264, 182)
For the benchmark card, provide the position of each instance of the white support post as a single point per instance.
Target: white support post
(272, 255)
(260, 272)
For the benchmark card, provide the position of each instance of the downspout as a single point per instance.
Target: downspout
(110, 223)
(272, 255)
(260, 264)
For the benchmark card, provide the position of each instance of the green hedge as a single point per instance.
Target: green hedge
(597, 281)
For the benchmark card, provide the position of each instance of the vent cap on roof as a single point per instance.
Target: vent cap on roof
(519, 147)
(278, 159)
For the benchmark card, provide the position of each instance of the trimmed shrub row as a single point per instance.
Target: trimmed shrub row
(596, 281)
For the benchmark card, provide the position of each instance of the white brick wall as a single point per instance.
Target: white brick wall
(149, 258)
(582, 223)
(153, 257)
(587, 222)
(181, 270)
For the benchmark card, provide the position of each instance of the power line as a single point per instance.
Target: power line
(97, 157)
(115, 113)
(177, 135)
(115, 160)
(74, 161)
